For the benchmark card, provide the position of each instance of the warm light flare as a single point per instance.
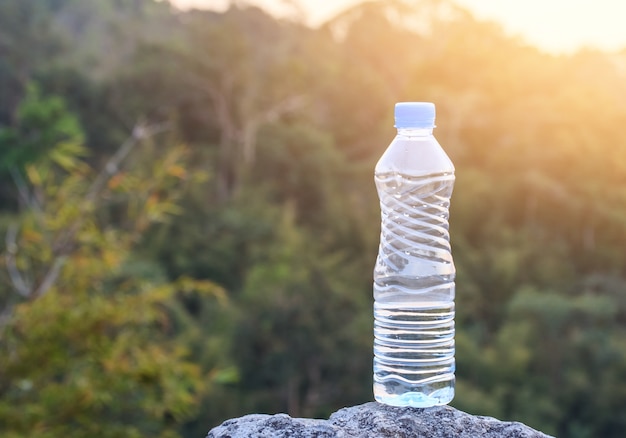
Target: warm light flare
(557, 26)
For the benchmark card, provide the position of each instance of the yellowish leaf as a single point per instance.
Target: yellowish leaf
(111, 259)
(116, 180)
(33, 175)
(31, 236)
(177, 171)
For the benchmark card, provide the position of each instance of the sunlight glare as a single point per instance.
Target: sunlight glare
(557, 26)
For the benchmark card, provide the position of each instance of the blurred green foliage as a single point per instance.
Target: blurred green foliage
(191, 222)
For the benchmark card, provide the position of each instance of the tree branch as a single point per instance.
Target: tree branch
(23, 192)
(50, 278)
(20, 285)
(63, 246)
(139, 132)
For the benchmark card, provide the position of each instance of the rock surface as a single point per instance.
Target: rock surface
(375, 420)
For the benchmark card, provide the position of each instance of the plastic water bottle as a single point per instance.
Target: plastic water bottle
(414, 274)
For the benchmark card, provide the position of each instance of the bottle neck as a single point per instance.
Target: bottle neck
(415, 132)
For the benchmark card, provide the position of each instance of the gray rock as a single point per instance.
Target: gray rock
(375, 420)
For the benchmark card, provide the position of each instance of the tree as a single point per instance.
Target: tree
(302, 323)
(87, 334)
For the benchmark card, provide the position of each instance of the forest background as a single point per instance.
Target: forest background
(190, 221)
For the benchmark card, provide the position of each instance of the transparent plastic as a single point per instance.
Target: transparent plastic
(414, 274)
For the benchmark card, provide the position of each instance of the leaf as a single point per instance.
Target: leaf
(33, 175)
(67, 155)
(177, 171)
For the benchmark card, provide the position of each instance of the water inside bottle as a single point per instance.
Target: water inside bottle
(414, 292)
